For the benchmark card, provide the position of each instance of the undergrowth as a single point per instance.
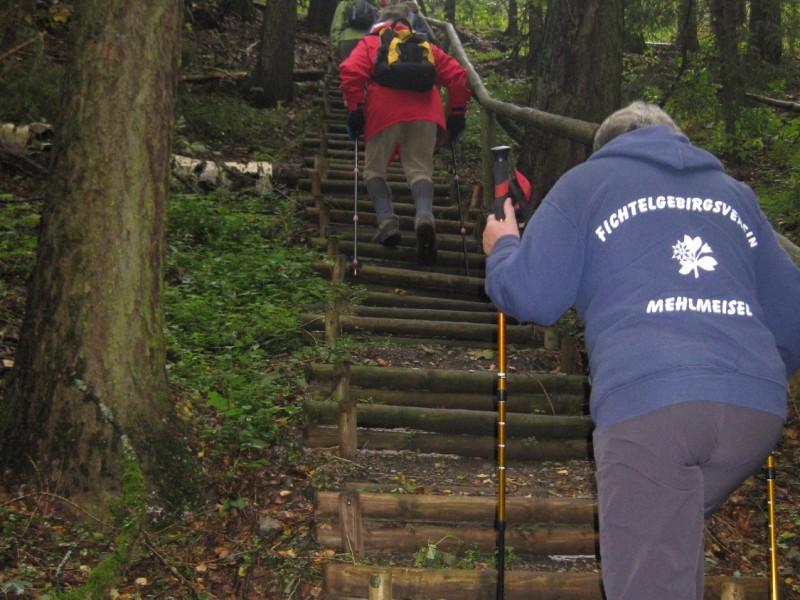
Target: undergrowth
(236, 285)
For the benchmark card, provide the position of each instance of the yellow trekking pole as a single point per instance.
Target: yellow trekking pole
(773, 542)
(501, 191)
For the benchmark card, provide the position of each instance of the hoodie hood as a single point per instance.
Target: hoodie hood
(660, 146)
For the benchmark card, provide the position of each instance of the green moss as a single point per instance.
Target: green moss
(131, 522)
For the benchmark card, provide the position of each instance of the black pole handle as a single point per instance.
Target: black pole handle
(501, 180)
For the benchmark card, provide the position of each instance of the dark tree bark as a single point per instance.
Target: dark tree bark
(11, 14)
(535, 34)
(89, 389)
(578, 74)
(450, 11)
(244, 10)
(766, 30)
(512, 31)
(726, 17)
(271, 80)
(634, 27)
(687, 27)
(320, 16)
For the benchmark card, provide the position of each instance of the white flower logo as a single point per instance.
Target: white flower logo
(690, 253)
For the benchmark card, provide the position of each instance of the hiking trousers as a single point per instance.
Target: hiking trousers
(417, 141)
(659, 478)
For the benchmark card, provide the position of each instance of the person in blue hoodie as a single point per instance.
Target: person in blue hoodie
(692, 328)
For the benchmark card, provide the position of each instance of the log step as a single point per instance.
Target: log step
(533, 428)
(451, 380)
(445, 508)
(351, 581)
(473, 446)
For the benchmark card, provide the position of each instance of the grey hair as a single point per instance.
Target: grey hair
(397, 10)
(634, 116)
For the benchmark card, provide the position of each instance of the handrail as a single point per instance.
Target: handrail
(567, 127)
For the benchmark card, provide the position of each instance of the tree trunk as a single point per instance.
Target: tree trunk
(766, 30)
(320, 16)
(687, 27)
(89, 384)
(450, 11)
(535, 33)
(512, 30)
(634, 41)
(271, 81)
(578, 75)
(245, 10)
(725, 20)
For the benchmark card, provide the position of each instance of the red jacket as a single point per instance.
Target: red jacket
(383, 106)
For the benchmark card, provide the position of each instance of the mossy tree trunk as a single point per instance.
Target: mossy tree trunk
(320, 16)
(271, 81)
(89, 382)
(578, 74)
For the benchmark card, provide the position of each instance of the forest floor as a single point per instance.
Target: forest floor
(265, 548)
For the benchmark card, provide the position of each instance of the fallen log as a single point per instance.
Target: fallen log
(429, 508)
(452, 421)
(539, 541)
(343, 580)
(208, 175)
(322, 436)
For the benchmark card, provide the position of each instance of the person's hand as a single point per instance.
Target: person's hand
(496, 229)
(355, 123)
(455, 126)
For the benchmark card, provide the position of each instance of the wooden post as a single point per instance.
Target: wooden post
(550, 338)
(732, 590)
(380, 586)
(333, 247)
(488, 131)
(324, 216)
(339, 267)
(347, 412)
(569, 355)
(316, 183)
(350, 524)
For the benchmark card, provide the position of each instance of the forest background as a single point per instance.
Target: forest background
(218, 351)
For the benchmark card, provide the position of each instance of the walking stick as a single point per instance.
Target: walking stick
(773, 545)
(460, 210)
(355, 210)
(500, 195)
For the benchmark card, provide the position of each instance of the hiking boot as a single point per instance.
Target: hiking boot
(388, 233)
(426, 241)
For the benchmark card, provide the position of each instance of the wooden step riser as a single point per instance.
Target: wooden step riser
(350, 581)
(448, 380)
(524, 427)
(445, 330)
(515, 403)
(473, 446)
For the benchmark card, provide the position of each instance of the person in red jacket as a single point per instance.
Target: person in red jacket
(389, 118)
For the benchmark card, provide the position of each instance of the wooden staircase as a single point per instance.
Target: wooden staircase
(437, 411)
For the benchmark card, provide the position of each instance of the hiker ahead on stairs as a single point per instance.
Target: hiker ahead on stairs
(402, 115)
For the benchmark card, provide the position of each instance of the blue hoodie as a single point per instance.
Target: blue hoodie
(676, 273)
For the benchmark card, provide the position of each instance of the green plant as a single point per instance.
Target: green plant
(236, 289)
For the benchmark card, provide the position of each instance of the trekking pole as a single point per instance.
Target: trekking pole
(355, 210)
(773, 545)
(500, 195)
(460, 210)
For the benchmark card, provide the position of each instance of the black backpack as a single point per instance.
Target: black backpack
(405, 59)
(361, 14)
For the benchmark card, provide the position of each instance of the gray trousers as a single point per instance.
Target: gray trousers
(659, 478)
